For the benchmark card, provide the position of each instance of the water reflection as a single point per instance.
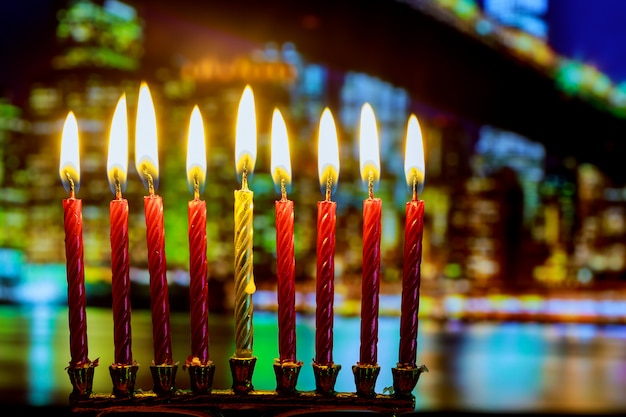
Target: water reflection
(473, 367)
(41, 354)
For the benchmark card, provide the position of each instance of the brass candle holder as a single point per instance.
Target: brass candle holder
(241, 370)
(325, 378)
(123, 378)
(81, 378)
(365, 379)
(201, 377)
(405, 378)
(164, 379)
(287, 376)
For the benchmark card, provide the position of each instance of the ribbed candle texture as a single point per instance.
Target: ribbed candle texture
(411, 276)
(243, 273)
(370, 281)
(285, 271)
(198, 284)
(159, 298)
(76, 296)
(325, 291)
(120, 281)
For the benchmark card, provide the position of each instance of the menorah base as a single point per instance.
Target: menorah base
(228, 403)
(285, 400)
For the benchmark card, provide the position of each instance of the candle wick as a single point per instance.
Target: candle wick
(118, 185)
(370, 185)
(196, 187)
(72, 186)
(414, 187)
(150, 181)
(244, 176)
(329, 187)
(283, 190)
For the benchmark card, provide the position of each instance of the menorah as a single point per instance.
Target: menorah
(201, 398)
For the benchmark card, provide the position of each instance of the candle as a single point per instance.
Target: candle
(245, 157)
(117, 168)
(414, 227)
(328, 170)
(285, 260)
(69, 172)
(147, 164)
(370, 175)
(198, 282)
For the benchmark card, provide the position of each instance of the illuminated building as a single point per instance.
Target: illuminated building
(473, 226)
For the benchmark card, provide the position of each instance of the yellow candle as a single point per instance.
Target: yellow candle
(245, 155)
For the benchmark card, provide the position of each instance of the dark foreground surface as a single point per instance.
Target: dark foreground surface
(65, 411)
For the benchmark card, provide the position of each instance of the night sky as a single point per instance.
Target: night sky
(27, 30)
(590, 30)
(593, 31)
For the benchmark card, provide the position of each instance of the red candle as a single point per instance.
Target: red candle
(370, 281)
(413, 231)
(120, 281)
(370, 284)
(414, 227)
(159, 300)
(117, 167)
(69, 171)
(285, 258)
(198, 279)
(285, 272)
(328, 170)
(147, 164)
(325, 291)
(76, 296)
(198, 284)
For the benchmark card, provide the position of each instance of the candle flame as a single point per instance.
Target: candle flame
(328, 153)
(280, 158)
(414, 167)
(69, 166)
(196, 152)
(117, 161)
(245, 137)
(146, 150)
(369, 153)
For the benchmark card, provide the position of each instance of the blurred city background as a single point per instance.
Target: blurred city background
(523, 118)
